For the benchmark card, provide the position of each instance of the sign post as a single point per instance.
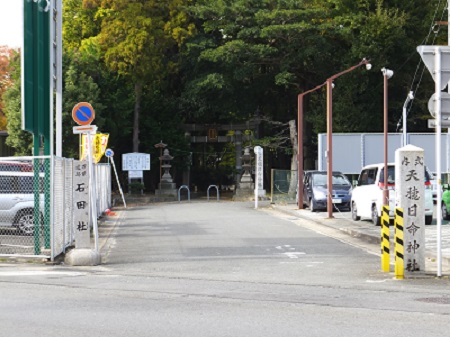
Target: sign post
(135, 163)
(410, 196)
(110, 154)
(258, 173)
(81, 213)
(437, 59)
(83, 114)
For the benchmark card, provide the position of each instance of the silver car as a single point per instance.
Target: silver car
(17, 201)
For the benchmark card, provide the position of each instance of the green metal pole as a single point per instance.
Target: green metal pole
(37, 213)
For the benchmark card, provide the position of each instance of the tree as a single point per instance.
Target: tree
(78, 87)
(135, 38)
(263, 53)
(20, 140)
(5, 80)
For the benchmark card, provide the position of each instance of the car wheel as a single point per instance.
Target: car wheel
(428, 219)
(25, 222)
(312, 205)
(445, 215)
(355, 216)
(375, 217)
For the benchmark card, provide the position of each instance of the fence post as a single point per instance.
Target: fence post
(385, 245)
(271, 185)
(399, 245)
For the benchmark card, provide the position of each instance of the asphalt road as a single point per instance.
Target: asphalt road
(221, 269)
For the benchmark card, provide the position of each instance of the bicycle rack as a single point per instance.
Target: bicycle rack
(217, 189)
(189, 193)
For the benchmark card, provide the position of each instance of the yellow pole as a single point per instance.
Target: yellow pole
(385, 258)
(399, 245)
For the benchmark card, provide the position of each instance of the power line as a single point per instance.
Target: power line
(420, 64)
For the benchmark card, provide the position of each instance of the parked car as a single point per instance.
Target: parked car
(434, 187)
(17, 197)
(315, 190)
(445, 203)
(367, 196)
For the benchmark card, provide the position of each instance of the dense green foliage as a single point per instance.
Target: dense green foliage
(148, 66)
(20, 140)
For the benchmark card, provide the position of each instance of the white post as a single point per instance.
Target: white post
(59, 76)
(404, 142)
(92, 188)
(447, 150)
(437, 109)
(118, 182)
(405, 105)
(258, 173)
(410, 195)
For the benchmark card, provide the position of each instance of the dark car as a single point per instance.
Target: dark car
(316, 190)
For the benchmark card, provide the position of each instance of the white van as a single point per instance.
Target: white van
(367, 196)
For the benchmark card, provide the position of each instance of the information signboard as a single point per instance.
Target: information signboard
(135, 161)
(135, 174)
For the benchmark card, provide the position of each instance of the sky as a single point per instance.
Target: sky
(11, 22)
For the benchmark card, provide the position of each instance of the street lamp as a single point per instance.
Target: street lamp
(387, 74)
(329, 156)
(300, 144)
(409, 98)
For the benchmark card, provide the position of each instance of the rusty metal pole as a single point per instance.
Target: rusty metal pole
(300, 142)
(329, 83)
(330, 146)
(300, 151)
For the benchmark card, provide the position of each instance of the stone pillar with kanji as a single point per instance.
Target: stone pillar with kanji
(410, 195)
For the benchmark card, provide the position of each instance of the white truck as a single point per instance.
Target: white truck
(367, 196)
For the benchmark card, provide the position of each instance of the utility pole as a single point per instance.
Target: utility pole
(448, 88)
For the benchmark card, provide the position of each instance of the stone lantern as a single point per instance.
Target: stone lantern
(246, 187)
(166, 186)
(165, 159)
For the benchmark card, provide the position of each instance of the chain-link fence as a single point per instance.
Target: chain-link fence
(36, 204)
(283, 186)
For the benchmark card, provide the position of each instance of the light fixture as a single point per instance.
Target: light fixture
(411, 95)
(366, 62)
(387, 72)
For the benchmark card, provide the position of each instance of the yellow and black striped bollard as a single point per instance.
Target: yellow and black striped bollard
(385, 244)
(399, 245)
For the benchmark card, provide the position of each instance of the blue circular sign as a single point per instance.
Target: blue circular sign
(83, 113)
(109, 153)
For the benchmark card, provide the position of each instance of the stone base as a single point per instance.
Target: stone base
(248, 195)
(240, 191)
(166, 192)
(167, 186)
(262, 193)
(83, 257)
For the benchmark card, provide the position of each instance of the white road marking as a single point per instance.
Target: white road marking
(39, 273)
(377, 281)
(293, 255)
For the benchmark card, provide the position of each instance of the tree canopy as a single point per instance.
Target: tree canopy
(149, 66)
